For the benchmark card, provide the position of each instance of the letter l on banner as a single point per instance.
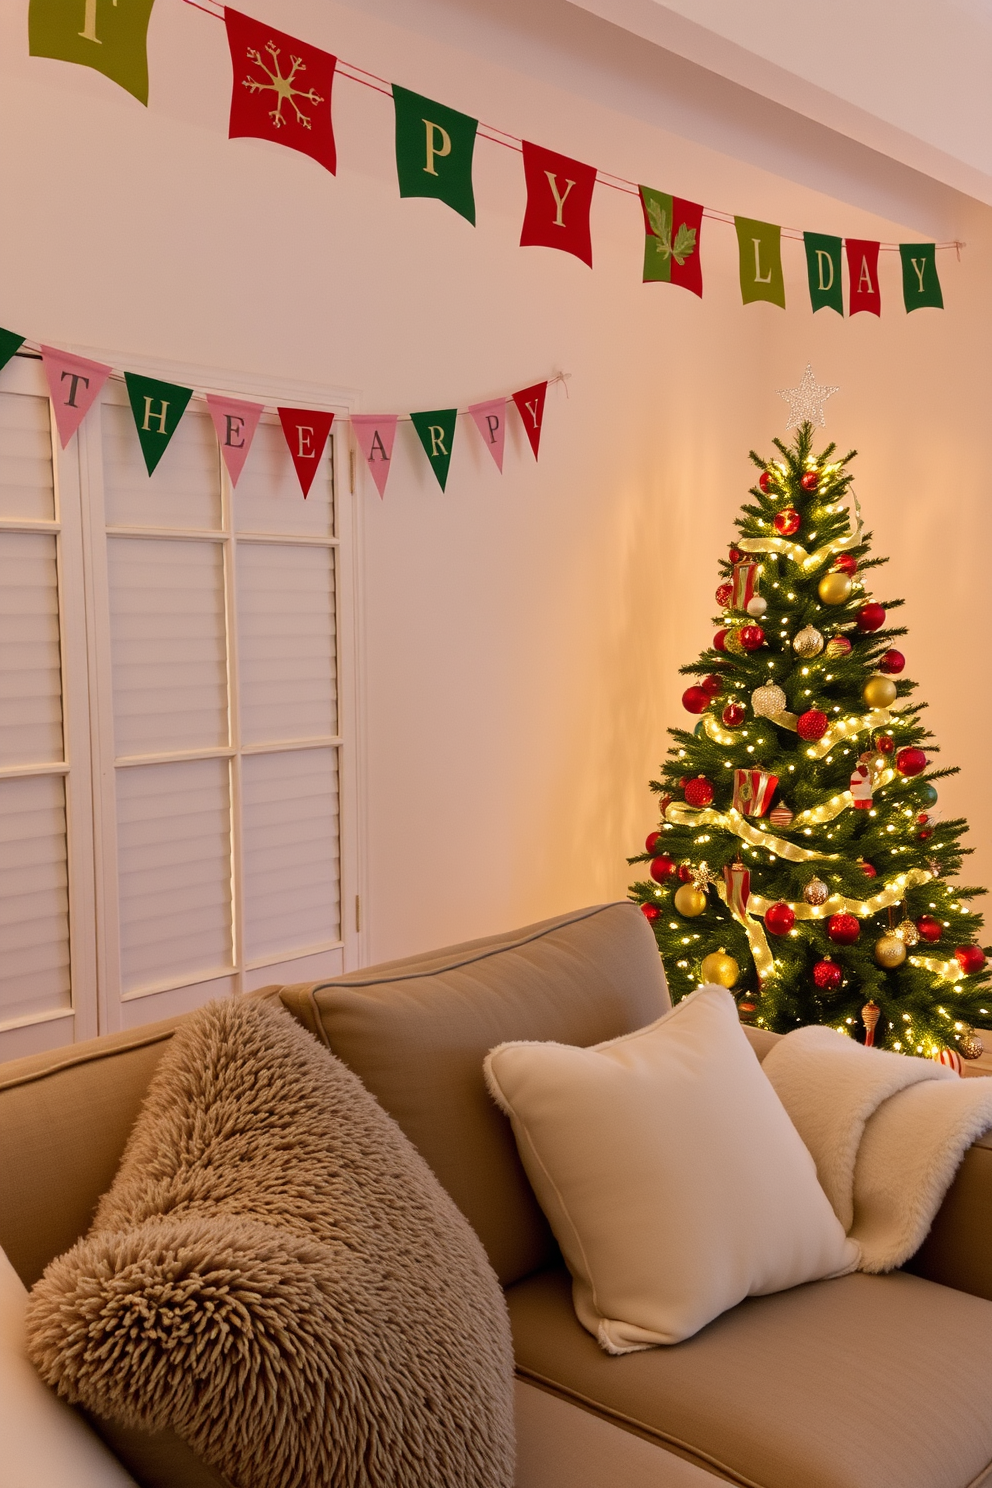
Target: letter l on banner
(74, 383)
(235, 423)
(306, 432)
(530, 406)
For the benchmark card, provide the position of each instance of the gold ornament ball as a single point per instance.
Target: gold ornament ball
(720, 968)
(834, 588)
(970, 1045)
(879, 692)
(908, 933)
(733, 643)
(690, 901)
(807, 642)
(890, 951)
(767, 701)
(816, 892)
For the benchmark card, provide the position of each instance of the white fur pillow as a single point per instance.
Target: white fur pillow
(673, 1179)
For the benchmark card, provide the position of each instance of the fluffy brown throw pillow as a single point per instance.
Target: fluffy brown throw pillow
(277, 1276)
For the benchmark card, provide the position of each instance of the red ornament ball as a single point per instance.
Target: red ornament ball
(810, 481)
(891, 663)
(844, 563)
(838, 645)
(869, 870)
(970, 958)
(650, 911)
(925, 835)
(724, 595)
(812, 725)
(884, 743)
(923, 818)
(651, 841)
(871, 617)
(764, 482)
(699, 792)
(735, 555)
(685, 872)
(664, 804)
(695, 700)
(911, 761)
(734, 714)
(787, 521)
(712, 684)
(779, 918)
(720, 641)
(929, 928)
(752, 636)
(661, 868)
(843, 929)
(827, 975)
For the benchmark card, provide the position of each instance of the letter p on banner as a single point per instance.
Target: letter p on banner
(434, 150)
(559, 201)
(530, 406)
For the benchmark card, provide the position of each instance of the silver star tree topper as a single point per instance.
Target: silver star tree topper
(806, 401)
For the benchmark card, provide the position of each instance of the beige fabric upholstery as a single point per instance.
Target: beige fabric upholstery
(958, 1249)
(562, 1445)
(416, 1032)
(861, 1382)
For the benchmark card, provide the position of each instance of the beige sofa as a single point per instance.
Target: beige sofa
(860, 1382)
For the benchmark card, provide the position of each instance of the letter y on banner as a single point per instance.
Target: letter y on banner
(282, 89)
(530, 406)
(490, 420)
(74, 383)
(375, 433)
(235, 423)
(306, 434)
(559, 200)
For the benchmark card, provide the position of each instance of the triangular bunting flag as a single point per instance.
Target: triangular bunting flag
(672, 230)
(490, 420)
(437, 433)
(74, 383)
(375, 433)
(10, 345)
(235, 422)
(306, 434)
(158, 408)
(559, 199)
(282, 89)
(862, 273)
(530, 406)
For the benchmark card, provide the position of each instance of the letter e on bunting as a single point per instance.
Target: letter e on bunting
(559, 199)
(282, 89)
(530, 406)
(375, 433)
(306, 432)
(862, 271)
(235, 422)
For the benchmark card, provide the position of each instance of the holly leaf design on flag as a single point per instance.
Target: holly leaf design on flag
(685, 243)
(281, 86)
(658, 218)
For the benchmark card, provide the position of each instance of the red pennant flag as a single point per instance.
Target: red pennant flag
(530, 406)
(282, 89)
(306, 434)
(862, 270)
(74, 383)
(559, 198)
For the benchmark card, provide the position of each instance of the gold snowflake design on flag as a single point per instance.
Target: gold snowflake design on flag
(281, 86)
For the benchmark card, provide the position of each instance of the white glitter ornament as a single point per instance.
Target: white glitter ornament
(768, 701)
(807, 642)
(757, 606)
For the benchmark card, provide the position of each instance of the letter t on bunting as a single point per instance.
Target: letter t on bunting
(375, 433)
(559, 200)
(306, 432)
(235, 423)
(434, 149)
(74, 383)
(759, 247)
(490, 420)
(530, 406)
(862, 270)
(282, 89)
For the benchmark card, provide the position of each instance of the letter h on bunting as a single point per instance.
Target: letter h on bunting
(559, 200)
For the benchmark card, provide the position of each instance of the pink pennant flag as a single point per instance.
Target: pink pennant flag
(74, 383)
(490, 420)
(306, 432)
(235, 422)
(375, 433)
(530, 405)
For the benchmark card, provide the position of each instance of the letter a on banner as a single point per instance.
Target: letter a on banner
(920, 285)
(530, 406)
(306, 434)
(235, 423)
(282, 89)
(157, 408)
(490, 420)
(375, 433)
(759, 246)
(74, 383)
(437, 433)
(559, 200)
(434, 149)
(862, 270)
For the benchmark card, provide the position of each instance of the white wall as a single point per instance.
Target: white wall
(523, 633)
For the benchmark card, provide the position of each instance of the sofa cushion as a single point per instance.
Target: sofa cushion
(276, 1275)
(859, 1382)
(416, 1033)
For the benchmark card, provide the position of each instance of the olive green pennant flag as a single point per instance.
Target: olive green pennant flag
(920, 284)
(157, 408)
(109, 35)
(759, 245)
(437, 433)
(826, 289)
(434, 149)
(10, 343)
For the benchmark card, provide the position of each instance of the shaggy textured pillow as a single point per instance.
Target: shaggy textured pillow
(276, 1275)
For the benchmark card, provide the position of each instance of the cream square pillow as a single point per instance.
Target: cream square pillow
(673, 1179)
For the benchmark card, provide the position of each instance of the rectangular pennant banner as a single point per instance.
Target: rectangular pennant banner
(158, 408)
(375, 433)
(235, 422)
(74, 383)
(826, 290)
(282, 89)
(559, 201)
(306, 432)
(490, 420)
(110, 36)
(530, 406)
(920, 284)
(759, 247)
(434, 149)
(436, 432)
(862, 273)
(672, 229)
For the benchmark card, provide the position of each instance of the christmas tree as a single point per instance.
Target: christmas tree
(799, 861)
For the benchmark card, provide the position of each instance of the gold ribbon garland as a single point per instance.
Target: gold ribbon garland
(947, 971)
(732, 821)
(764, 961)
(838, 904)
(797, 553)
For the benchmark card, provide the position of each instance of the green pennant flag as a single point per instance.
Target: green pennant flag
(157, 408)
(823, 271)
(110, 35)
(920, 285)
(437, 434)
(434, 149)
(759, 245)
(10, 343)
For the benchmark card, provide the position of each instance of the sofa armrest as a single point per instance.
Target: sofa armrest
(958, 1250)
